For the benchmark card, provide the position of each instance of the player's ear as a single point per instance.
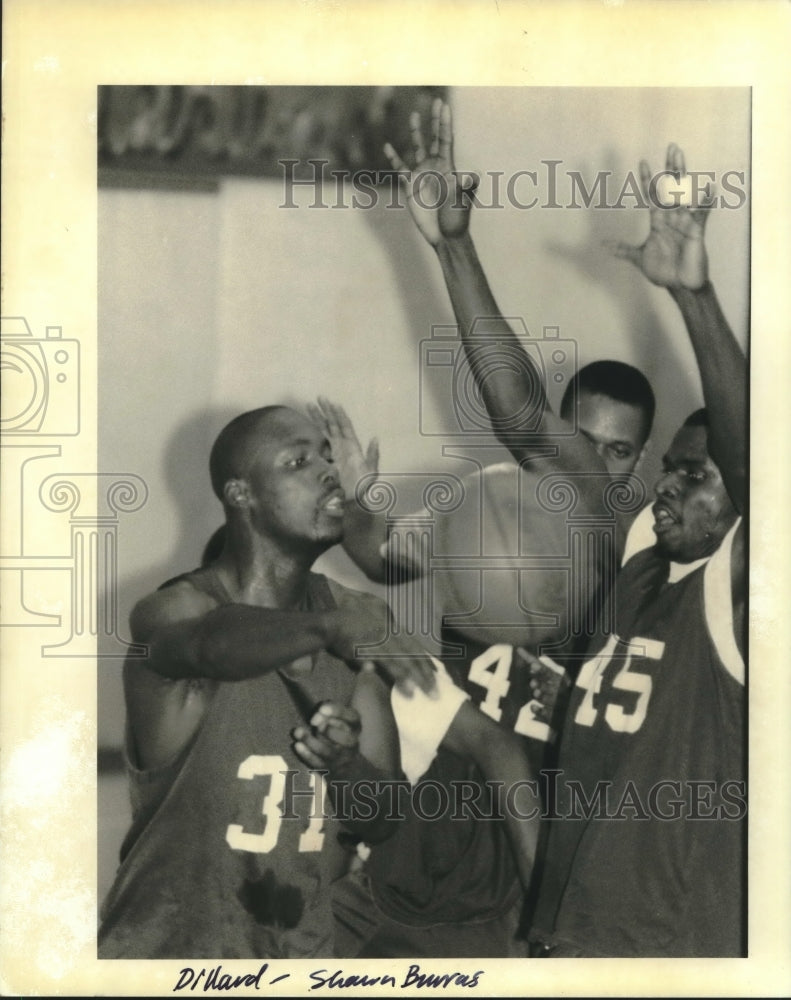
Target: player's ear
(236, 493)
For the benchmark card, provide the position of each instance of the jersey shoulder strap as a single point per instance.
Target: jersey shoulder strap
(204, 580)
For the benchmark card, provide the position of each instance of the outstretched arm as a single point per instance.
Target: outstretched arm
(674, 257)
(193, 644)
(190, 638)
(507, 390)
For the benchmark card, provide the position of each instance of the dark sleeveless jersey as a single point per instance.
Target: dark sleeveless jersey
(459, 868)
(497, 679)
(446, 862)
(227, 856)
(647, 855)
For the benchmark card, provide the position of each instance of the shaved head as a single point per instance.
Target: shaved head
(231, 452)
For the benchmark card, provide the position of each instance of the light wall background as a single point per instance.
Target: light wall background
(213, 303)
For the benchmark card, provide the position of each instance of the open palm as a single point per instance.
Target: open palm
(437, 195)
(674, 253)
(352, 463)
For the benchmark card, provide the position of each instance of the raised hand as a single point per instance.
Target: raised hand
(674, 254)
(353, 465)
(332, 738)
(437, 194)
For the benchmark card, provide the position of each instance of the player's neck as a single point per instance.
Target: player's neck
(256, 570)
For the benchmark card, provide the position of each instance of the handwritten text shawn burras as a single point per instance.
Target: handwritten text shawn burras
(215, 979)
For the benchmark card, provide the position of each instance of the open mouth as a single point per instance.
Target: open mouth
(335, 503)
(663, 518)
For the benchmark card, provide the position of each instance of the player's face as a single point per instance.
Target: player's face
(614, 428)
(692, 512)
(295, 495)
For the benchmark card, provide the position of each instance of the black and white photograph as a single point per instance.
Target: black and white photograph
(544, 474)
(413, 596)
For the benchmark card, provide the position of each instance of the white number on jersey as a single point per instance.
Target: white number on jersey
(590, 680)
(274, 767)
(496, 682)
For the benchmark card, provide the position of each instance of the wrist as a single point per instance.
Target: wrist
(347, 766)
(681, 293)
(452, 247)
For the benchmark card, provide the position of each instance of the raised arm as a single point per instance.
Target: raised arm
(674, 257)
(507, 390)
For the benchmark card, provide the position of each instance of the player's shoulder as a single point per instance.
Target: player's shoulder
(176, 600)
(641, 535)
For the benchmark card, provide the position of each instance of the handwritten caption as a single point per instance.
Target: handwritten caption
(215, 979)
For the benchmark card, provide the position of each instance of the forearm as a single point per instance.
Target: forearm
(723, 371)
(238, 641)
(364, 534)
(501, 758)
(486, 336)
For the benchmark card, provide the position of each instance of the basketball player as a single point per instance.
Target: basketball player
(246, 692)
(241, 655)
(661, 708)
(450, 889)
(612, 406)
(653, 861)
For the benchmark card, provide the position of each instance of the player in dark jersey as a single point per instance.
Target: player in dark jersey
(648, 855)
(229, 854)
(613, 406)
(678, 901)
(246, 692)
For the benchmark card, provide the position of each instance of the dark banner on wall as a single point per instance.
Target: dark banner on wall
(191, 135)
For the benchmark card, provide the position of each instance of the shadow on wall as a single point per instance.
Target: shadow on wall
(185, 464)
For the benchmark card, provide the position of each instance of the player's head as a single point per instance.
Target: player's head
(273, 469)
(615, 411)
(692, 512)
